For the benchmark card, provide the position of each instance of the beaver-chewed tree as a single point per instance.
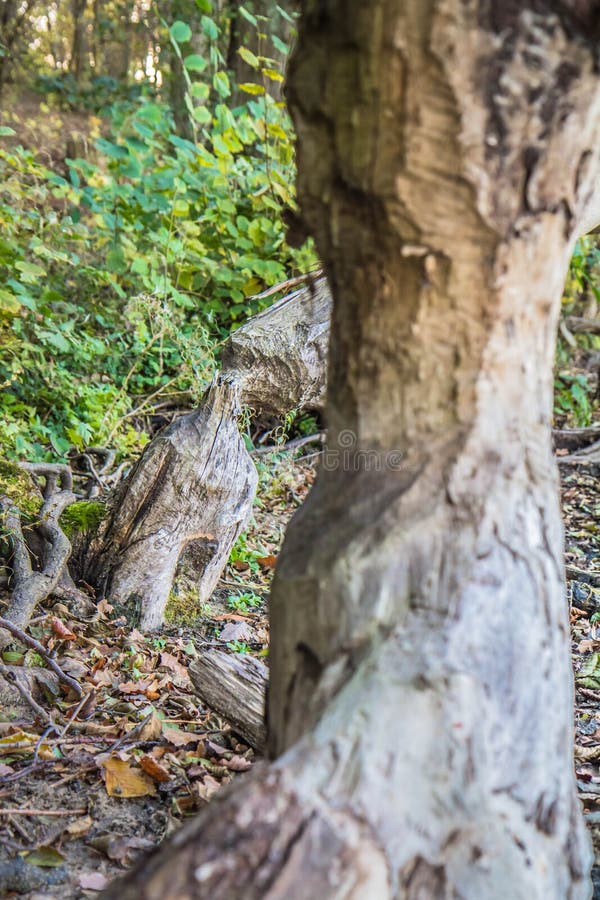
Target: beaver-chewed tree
(447, 151)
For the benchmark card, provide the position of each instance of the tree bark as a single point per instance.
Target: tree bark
(447, 152)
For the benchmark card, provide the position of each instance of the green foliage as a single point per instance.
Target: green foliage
(121, 274)
(238, 647)
(242, 553)
(17, 486)
(245, 602)
(573, 396)
(82, 516)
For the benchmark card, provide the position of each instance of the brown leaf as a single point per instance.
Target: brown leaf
(207, 788)
(236, 631)
(178, 738)
(5, 769)
(154, 769)
(267, 562)
(237, 764)
(171, 662)
(240, 565)
(92, 881)
(152, 728)
(61, 630)
(124, 780)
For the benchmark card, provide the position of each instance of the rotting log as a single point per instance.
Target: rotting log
(192, 489)
(234, 686)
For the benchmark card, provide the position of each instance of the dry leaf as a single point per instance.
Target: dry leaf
(237, 764)
(154, 769)
(179, 738)
(267, 562)
(207, 788)
(151, 729)
(61, 630)
(79, 827)
(171, 662)
(236, 631)
(45, 857)
(124, 780)
(92, 881)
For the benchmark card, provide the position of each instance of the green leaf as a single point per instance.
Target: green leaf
(5, 131)
(195, 63)
(249, 57)
(200, 91)
(204, 6)
(9, 305)
(250, 88)
(30, 273)
(209, 28)
(221, 84)
(180, 32)
(202, 115)
(248, 16)
(45, 857)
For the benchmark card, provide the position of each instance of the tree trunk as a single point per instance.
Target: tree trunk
(79, 65)
(420, 697)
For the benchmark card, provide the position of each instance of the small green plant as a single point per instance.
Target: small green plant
(238, 647)
(241, 553)
(573, 397)
(245, 602)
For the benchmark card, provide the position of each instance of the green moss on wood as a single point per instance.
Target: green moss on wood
(82, 516)
(17, 485)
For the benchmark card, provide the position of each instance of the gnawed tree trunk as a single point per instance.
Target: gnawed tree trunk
(193, 487)
(420, 697)
(195, 482)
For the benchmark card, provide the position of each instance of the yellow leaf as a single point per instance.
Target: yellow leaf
(250, 88)
(124, 780)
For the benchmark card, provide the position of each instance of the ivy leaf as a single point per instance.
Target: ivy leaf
(250, 88)
(249, 57)
(195, 63)
(180, 32)
(209, 28)
(248, 16)
(221, 84)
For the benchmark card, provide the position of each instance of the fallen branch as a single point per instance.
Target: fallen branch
(579, 325)
(234, 687)
(574, 438)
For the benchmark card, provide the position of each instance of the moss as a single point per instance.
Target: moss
(83, 515)
(16, 484)
(184, 607)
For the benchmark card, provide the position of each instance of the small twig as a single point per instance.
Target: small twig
(43, 652)
(18, 827)
(126, 738)
(290, 445)
(43, 812)
(286, 285)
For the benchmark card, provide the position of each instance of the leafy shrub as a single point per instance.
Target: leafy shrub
(120, 276)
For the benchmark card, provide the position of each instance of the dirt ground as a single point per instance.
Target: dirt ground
(80, 805)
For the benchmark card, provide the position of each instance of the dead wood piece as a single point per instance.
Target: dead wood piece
(235, 688)
(579, 325)
(194, 484)
(22, 680)
(31, 587)
(279, 357)
(575, 438)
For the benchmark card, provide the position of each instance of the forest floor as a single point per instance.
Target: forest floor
(80, 805)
